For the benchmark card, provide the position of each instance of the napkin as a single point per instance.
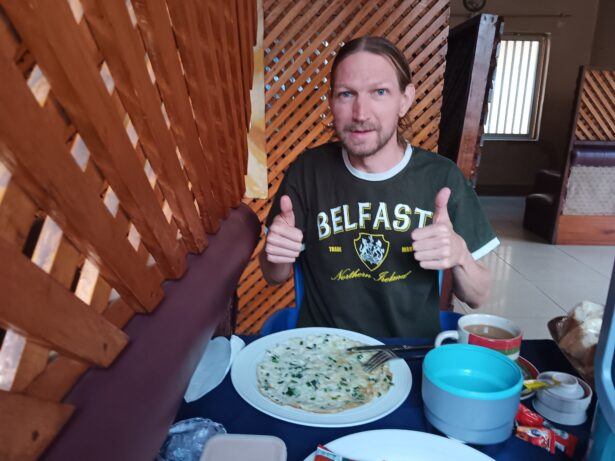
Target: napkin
(213, 366)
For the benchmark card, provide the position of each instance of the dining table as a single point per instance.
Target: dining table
(225, 406)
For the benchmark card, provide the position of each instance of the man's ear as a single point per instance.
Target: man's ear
(407, 99)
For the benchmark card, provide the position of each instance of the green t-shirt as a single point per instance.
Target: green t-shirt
(358, 266)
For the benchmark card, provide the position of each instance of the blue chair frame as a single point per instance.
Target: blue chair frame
(286, 318)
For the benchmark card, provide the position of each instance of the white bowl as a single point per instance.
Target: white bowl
(566, 403)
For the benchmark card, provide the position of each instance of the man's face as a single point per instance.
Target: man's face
(367, 103)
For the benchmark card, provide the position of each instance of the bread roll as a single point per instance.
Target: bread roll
(582, 333)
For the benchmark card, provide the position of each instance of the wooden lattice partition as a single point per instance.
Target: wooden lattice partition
(596, 118)
(118, 154)
(301, 38)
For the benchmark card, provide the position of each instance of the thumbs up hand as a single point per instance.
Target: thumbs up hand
(441, 213)
(283, 243)
(437, 246)
(286, 208)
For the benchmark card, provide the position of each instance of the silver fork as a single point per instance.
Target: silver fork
(378, 359)
(381, 357)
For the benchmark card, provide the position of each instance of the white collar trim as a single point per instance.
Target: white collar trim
(378, 176)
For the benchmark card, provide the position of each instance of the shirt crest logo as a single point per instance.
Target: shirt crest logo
(372, 249)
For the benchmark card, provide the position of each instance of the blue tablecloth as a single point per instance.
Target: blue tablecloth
(225, 406)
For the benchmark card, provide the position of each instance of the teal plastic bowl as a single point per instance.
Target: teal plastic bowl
(471, 393)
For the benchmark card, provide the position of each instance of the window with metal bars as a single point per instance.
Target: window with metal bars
(515, 101)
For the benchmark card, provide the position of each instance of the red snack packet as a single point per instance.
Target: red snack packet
(539, 436)
(526, 417)
(548, 438)
(324, 454)
(562, 440)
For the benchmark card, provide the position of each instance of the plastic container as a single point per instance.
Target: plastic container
(564, 404)
(471, 393)
(245, 448)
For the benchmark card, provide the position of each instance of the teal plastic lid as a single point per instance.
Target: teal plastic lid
(473, 372)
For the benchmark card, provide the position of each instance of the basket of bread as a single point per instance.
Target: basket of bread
(577, 335)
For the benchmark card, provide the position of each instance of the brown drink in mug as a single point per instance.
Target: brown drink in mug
(486, 330)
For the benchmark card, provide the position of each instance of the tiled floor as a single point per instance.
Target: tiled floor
(534, 281)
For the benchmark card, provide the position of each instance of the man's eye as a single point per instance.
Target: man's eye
(344, 94)
(381, 91)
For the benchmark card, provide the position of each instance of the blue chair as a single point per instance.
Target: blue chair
(286, 319)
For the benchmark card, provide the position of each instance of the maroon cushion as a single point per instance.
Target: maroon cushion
(603, 155)
(124, 412)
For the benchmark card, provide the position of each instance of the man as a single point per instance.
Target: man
(374, 218)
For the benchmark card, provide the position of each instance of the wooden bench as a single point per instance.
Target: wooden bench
(124, 411)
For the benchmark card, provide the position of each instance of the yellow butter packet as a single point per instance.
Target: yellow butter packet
(537, 384)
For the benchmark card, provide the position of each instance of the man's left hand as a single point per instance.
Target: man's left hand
(437, 246)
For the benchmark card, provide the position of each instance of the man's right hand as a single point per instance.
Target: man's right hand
(284, 240)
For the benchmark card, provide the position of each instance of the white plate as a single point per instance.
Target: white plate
(213, 366)
(401, 445)
(243, 376)
(211, 369)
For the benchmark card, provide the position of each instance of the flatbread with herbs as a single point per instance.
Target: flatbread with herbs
(316, 373)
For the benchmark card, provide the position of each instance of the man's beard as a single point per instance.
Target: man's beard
(364, 150)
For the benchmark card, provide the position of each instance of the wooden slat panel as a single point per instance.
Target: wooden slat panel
(413, 12)
(155, 26)
(218, 48)
(16, 214)
(273, 12)
(309, 19)
(601, 100)
(254, 325)
(124, 53)
(62, 374)
(596, 118)
(250, 278)
(49, 312)
(292, 10)
(191, 40)
(67, 261)
(28, 359)
(598, 105)
(583, 132)
(275, 298)
(119, 313)
(221, 46)
(45, 166)
(354, 17)
(57, 379)
(32, 360)
(592, 108)
(28, 425)
(243, 31)
(55, 40)
(72, 87)
(606, 81)
(242, 92)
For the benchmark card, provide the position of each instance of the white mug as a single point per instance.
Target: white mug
(508, 346)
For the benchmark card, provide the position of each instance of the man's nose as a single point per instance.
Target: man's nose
(359, 108)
